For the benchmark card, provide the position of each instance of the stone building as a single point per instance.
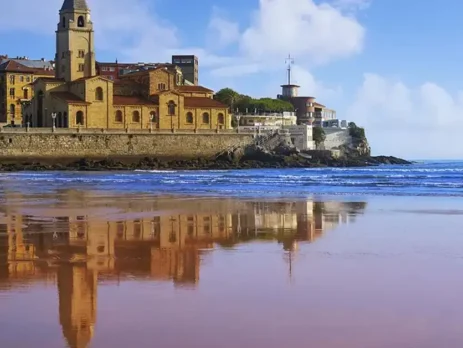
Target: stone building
(16, 76)
(78, 98)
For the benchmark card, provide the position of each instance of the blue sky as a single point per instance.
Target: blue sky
(392, 66)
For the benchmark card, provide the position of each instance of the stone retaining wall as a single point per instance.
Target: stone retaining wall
(80, 145)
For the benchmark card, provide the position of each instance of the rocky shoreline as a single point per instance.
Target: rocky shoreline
(262, 160)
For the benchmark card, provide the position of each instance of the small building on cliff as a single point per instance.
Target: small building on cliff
(307, 110)
(76, 97)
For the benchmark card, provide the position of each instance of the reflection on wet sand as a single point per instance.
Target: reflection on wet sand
(79, 241)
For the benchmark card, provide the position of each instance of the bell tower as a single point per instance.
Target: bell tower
(75, 52)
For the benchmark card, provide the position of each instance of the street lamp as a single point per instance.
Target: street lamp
(53, 116)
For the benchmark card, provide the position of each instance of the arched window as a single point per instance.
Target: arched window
(99, 94)
(21, 78)
(25, 93)
(81, 22)
(221, 118)
(171, 106)
(63, 22)
(189, 118)
(119, 117)
(153, 117)
(12, 110)
(205, 117)
(80, 118)
(136, 116)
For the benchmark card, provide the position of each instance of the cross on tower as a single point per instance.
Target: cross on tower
(290, 62)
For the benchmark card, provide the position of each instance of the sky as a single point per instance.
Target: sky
(391, 66)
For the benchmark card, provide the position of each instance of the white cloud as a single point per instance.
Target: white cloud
(224, 31)
(420, 122)
(315, 33)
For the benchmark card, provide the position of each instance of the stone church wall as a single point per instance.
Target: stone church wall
(80, 145)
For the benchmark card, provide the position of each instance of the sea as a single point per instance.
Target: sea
(424, 178)
(322, 258)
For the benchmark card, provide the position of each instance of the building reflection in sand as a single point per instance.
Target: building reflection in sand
(75, 246)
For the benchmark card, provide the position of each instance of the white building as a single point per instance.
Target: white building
(265, 122)
(302, 136)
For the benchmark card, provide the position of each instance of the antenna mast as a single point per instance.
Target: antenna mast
(290, 62)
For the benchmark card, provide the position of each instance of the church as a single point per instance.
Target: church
(76, 97)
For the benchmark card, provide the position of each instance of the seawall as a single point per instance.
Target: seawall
(39, 145)
(336, 137)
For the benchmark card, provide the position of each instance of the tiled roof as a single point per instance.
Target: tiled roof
(131, 100)
(193, 89)
(35, 63)
(74, 5)
(14, 66)
(198, 102)
(48, 79)
(92, 77)
(69, 97)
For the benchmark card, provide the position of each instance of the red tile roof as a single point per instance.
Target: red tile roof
(199, 102)
(12, 66)
(92, 77)
(131, 100)
(69, 97)
(193, 89)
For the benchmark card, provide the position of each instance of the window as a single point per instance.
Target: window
(25, 93)
(99, 94)
(21, 78)
(153, 117)
(112, 69)
(12, 79)
(221, 118)
(162, 86)
(104, 69)
(189, 118)
(119, 117)
(136, 116)
(171, 108)
(205, 117)
(81, 67)
(28, 79)
(12, 110)
(81, 54)
(12, 93)
(63, 22)
(81, 22)
(80, 118)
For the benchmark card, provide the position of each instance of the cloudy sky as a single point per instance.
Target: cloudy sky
(393, 66)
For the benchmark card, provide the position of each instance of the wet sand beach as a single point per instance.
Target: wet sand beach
(92, 268)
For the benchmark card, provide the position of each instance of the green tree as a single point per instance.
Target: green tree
(356, 132)
(234, 100)
(319, 135)
(227, 96)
